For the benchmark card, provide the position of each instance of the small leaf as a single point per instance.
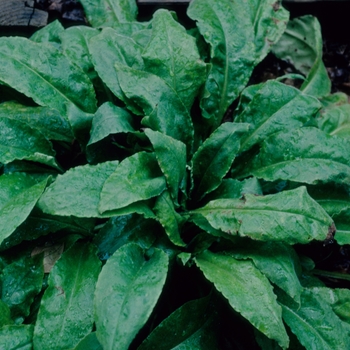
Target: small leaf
(5, 314)
(17, 337)
(90, 342)
(214, 158)
(66, 310)
(126, 293)
(336, 121)
(77, 192)
(248, 292)
(51, 33)
(136, 178)
(289, 216)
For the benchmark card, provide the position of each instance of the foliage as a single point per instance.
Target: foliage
(137, 212)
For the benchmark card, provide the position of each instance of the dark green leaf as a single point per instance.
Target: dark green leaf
(66, 310)
(248, 292)
(290, 216)
(77, 192)
(16, 337)
(136, 178)
(5, 314)
(126, 293)
(90, 342)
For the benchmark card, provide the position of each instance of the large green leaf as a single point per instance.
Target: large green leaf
(46, 120)
(19, 141)
(275, 107)
(18, 196)
(21, 281)
(126, 293)
(301, 44)
(43, 73)
(239, 34)
(136, 178)
(214, 158)
(164, 110)
(306, 155)
(172, 54)
(189, 327)
(51, 33)
(77, 192)
(314, 322)
(66, 310)
(107, 13)
(290, 216)
(171, 157)
(248, 292)
(16, 337)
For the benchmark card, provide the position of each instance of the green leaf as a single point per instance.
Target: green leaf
(18, 196)
(248, 292)
(77, 192)
(45, 120)
(169, 218)
(66, 310)
(172, 55)
(214, 158)
(306, 155)
(136, 178)
(90, 342)
(5, 314)
(275, 107)
(126, 293)
(16, 337)
(51, 33)
(191, 326)
(165, 111)
(314, 322)
(290, 216)
(19, 141)
(21, 281)
(301, 44)
(107, 13)
(277, 261)
(336, 121)
(51, 81)
(234, 53)
(171, 157)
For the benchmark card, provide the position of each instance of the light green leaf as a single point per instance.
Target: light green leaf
(289, 216)
(275, 107)
(277, 261)
(21, 281)
(165, 111)
(172, 55)
(171, 157)
(77, 192)
(169, 218)
(19, 141)
(336, 99)
(90, 342)
(314, 322)
(248, 292)
(301, 45)
(126, 293)
(66, 309)
(45, 120)
(107, 13)
(336, 120)
(49, 34)
(16, 337)
(234, 53)
(136, 178)
(214, 158)
(18, 196)
(43, 73)
(306, 155)
(191, 326)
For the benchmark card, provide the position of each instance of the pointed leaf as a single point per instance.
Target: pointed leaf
(248, 292)
(77, 192)
(51, 33)
(136, 178)
(306, 155)
(171, 157)
(214, 158)
(290, 216)
(172, 54)
(18, 196)
(275, 107)
(126, 293)
(17, 337)
(336, 121)
(66, 310)
(90, 342)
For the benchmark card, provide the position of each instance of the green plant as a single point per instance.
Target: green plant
(173, 226)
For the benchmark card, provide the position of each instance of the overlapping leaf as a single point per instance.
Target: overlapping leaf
(17, 337)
